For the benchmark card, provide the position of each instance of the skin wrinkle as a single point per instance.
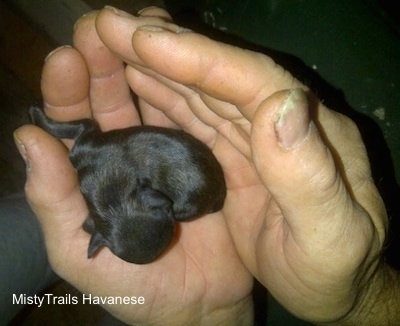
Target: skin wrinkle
(350, 169)
(154, 11)
(185, 285)
(29, 186)
(154, 299)
(58, 263)
(177, 106)
(115, 107)
(229, 129)
(306, 250)
(188, 255)
(228, 123)
(381, 227)
(174, 108)
(265, 90)
(112, 74)
(205, 65)
(158, 118)
(50, 205)
(330, 251)
(307, 289)
(257, 231)
(221, 109)
(100, 82)
(200, 108)
(187, 125)
(67, 110)
(188, 97)
(194, 101)
(288, 280)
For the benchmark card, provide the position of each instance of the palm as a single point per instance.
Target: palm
(200, 267)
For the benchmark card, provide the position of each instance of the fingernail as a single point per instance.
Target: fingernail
(165, 28)
(22, 150)
(145, 9)
(84, 17)
(293, 121)
(56, 50)
(118, 11)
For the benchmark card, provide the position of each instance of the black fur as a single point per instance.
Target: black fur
(138, 182)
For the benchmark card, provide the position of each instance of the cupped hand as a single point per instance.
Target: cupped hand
(302, 208)
(200, 279)
(302, 212)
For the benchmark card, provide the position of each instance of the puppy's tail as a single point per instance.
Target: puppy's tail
(70, 130)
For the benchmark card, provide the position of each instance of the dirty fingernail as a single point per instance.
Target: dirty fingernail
(84, 17)
(118, 11)
(165, 28)
(293, 121)
(141, 11)
(22, 150)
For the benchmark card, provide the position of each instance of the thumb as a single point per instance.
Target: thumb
(51, 188)
(297, 167)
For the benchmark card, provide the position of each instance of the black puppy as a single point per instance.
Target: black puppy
(138, 182)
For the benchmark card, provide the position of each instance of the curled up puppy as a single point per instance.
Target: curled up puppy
(138, 183)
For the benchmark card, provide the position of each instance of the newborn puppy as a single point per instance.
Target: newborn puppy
(138, 182)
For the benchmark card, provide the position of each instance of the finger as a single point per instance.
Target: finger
(52, 190)
(245, 79)
(193, 111)
(145, 87)
(154, 117)
(65, 85)
(300, 171)
(155, 12)
(168, 103)
(116, 27)
(110, 96)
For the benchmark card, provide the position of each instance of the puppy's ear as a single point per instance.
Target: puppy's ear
(89, 225)
(96, 242)
(154, 199)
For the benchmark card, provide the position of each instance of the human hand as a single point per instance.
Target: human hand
(302, 208)
(200, 279)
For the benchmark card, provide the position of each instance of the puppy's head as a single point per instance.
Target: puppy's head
(138, 232)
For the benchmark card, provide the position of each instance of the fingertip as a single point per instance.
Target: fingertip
(53, 193)
(85, 19)
(166, 50)
(264, 119)
(278, 162)
(36, 139)
(60, 48)
(154, 11)
(293, 122)
(285, 115)
(100, 60)
(21, 147)
(50, 175)
(290, 155)
(65, 78)
(115, 28)
(116, 12)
